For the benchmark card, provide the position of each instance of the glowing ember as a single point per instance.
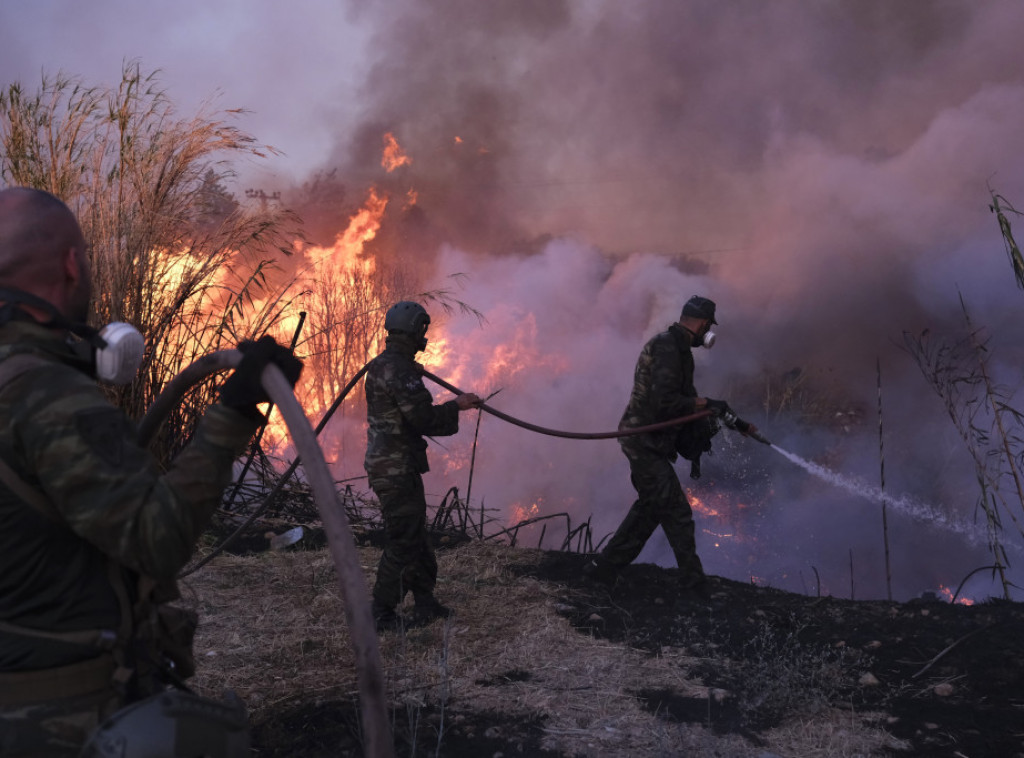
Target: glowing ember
(518, 512)
(947, 593)
(700, 506)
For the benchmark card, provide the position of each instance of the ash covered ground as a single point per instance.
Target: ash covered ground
(538, 661)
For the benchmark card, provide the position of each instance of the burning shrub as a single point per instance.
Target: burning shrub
(171, 251)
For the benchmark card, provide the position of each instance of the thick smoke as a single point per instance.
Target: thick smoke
(824, 169)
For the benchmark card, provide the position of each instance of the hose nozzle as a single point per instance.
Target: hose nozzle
(733, 421)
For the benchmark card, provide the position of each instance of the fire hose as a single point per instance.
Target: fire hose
(177, 387)
(356, 600)
(730, 419)
(207, 365)
(369, 668)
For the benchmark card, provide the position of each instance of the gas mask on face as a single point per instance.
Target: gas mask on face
(114, 352)
(705, 338)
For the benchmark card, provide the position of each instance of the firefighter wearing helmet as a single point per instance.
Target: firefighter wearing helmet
(400, 412)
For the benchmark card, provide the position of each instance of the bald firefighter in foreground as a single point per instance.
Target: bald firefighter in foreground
(93, 532)
(400, 411)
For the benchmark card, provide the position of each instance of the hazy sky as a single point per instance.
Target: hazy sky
(295, 65)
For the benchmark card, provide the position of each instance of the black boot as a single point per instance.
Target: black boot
(427, 608)
(696, 591)
(599, 570)
(385, 618)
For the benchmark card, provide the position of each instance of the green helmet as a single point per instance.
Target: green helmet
(407, 317)
(173, 724)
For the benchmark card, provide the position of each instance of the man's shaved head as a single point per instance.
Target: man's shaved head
(37, 231)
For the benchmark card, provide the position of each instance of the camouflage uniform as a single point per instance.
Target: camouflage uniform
(116, 518)
(400, 411)
(662, 389)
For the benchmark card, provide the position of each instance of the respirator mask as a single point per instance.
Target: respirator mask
(702, 308)
(704, 339)
(117, 353)
(114, 352)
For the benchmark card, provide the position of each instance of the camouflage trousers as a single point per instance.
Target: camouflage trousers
(408, 562)
(54, 727)
(660, 502)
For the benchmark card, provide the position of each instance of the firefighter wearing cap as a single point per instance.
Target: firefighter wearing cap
(663, 389)
(400, 411)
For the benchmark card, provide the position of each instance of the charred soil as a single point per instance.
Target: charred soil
(948, 677)
(539, 661)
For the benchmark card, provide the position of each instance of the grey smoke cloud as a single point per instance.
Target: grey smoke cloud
(836, 156)
(827, 164)
(651, 126)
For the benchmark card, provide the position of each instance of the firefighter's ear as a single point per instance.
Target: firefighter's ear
(71, 268)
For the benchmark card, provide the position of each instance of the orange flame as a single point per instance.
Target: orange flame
(344, 256)
(701, 506)
(393, 156)
(519, 512)
(947, 593)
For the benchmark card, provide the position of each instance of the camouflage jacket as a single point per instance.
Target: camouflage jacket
(662, 389)
(61, 435)
(400, 410)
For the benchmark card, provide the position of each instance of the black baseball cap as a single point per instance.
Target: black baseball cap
(700, 307)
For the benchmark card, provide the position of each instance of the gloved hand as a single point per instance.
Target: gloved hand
(467, 401)
(243, 390)
(718, 407)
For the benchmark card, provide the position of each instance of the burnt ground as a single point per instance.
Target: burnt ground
(946, 679)
(950, 677)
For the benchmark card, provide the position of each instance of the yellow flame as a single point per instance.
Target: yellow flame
(344, 256)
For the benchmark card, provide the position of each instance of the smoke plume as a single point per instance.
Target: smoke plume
(822, 171)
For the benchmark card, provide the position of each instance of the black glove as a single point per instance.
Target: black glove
(243, 390)
(718, 407)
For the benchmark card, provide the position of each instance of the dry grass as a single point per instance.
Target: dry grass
(273, 630)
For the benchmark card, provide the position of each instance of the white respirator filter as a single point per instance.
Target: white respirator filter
(709, 339)
(119, 361)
